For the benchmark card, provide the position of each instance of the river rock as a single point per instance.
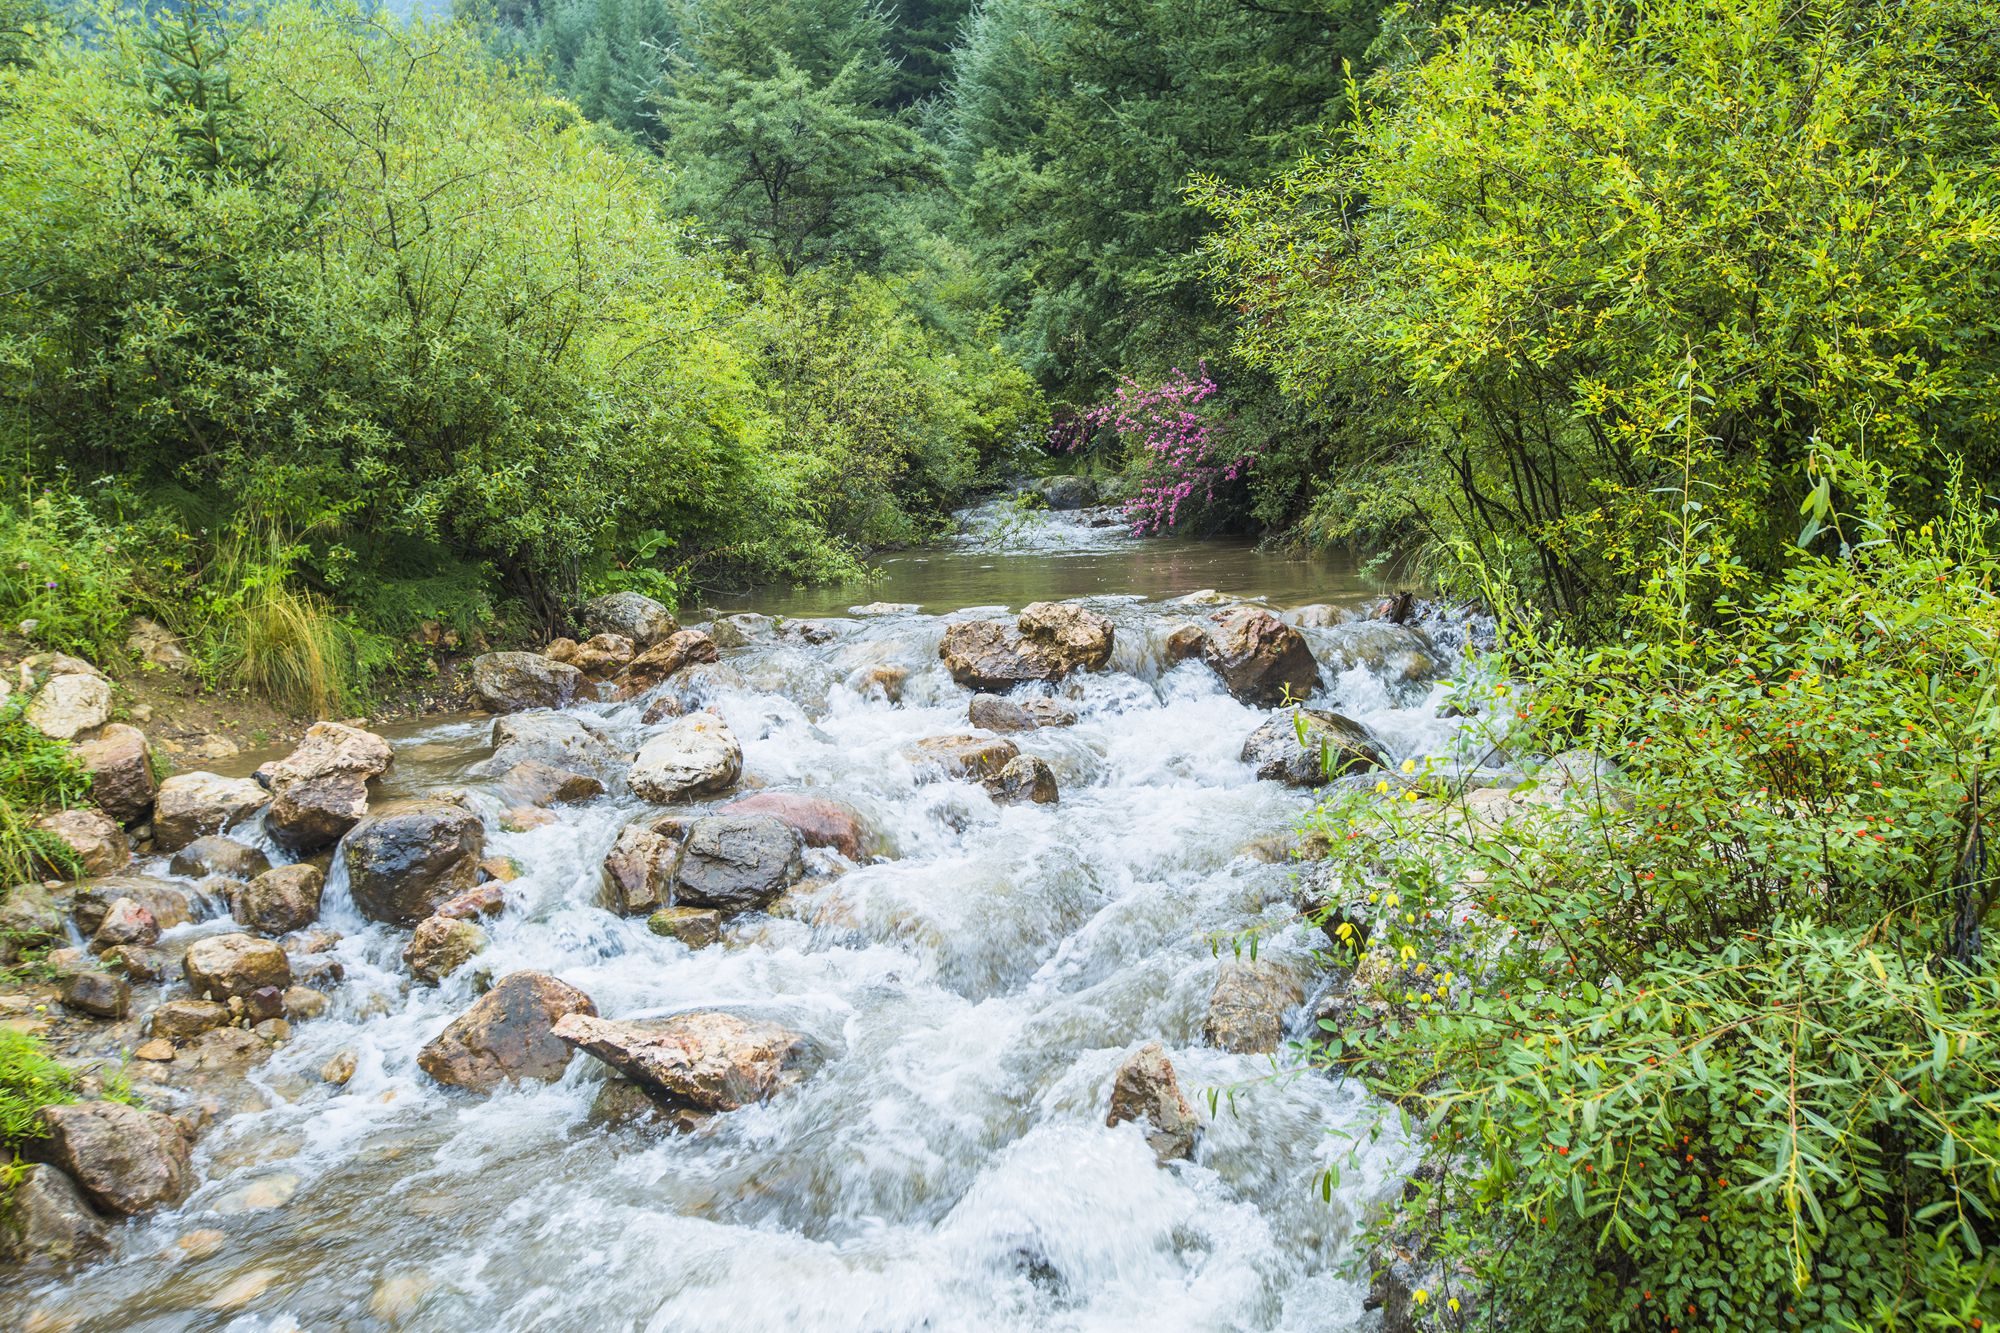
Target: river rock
(505, 1037)
(49, 1224)
(167, 902)
(682, 649)
(189, 805)
(696, 927)
(29, 919)
(602, 655)
(483, 900)
(1316, 616)
(279, 901)
(125, 922)
(1576, 777)
(1333, 745)
(184, 1020)
(70, 704)
(1025, 777)
(510, 682)
(740, 628)
(155, 644)
(991, 712)
(217, 855)
(884, 679)
(737, 863)
(221, 966)
(706, 1061)
(820, 821)
(126, 1159)
(93, 836)
(979, 758)
(639, 871)
(98, 994)
(695, 756)
(408, 857)
(1066, 493)
(631, 615)
(320, 790)
(533, 783)
(441, 945)
(1396, 653)
(139, 962)
(1260, 658)
(565, 741)
(1078, 638)
(1047, 642)
(120, 763)
(1246, 1010)
(1146, 1090)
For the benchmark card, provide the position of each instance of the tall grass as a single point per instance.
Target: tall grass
(282, 642)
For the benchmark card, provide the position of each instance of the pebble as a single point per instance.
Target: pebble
(203, 1243)
(339, 1069)
(240, 1291)
(260, 1195)
(396, 1298)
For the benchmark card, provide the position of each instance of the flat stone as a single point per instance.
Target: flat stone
(707, 1061)
(189, 805)
(505, 1036)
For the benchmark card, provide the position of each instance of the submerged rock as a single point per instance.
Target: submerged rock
(408, 857)
(695, 756)
(217, 855)
(189, 805)
(631, 615)
(1246, 1010)
(120, 763)
(979, 758)
(822, 822)
(737, 863)
(126, 1159)
(1396, 653)
(705, 1061)
(1146, 1090)
(1261, 660)
(1332, 745)
(510, 682)
(506, 1036)
(320, 790)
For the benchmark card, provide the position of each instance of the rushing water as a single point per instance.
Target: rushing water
(947, 1166)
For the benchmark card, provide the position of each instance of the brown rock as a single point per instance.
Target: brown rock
(189, 805)
(184, 1020)
(990, 712)
(1079, 639)
(975, 757)
(1261, 659)
(696, 927)
(157, 1051)
(1024, 778)
(1184, 642)
(214, 854)
(487, 900)
(602, 655)
(706, 1061)
(505, 869)
(98, 994)
(279, 901)
(1246, 1010)
(505, 1036)
(1047, 642)
(408, 857)
(125, 922)
(532, 782)
(820, 821)
(339, 1069)
(1147, 1091)
(441, 945)
(303, 1002)
(320, 790)
(639, 871)
(49, 1224)
(69, 705)
(884, 679)
(509, 682)
(221, 966)
(126, 1159)
(29, 918)
(166, 901)
(561, 650)
(525, 819)
(94, 838)
(137, 962)
(663, 660)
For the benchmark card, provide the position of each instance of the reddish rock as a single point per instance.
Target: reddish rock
(705, 1061)
(1261, 660)
(320, 790)
(505, 1037)
(1147, 1091)
(121, 771)
(820, 821)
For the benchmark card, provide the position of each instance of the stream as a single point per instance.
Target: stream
(947, 1165)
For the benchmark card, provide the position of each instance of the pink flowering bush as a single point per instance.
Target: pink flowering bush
(1175, 440)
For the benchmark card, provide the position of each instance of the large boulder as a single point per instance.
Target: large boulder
(1261, 659)
(439, 946)
(562, 741)
(49, 1224)
(1146, 1090)
(408, 857)
(188, 805)
(737, 863)
(167, 901)
(92, 836)
(320, 790)
(979, 758)
(1067, 492)
(631, 615)
(506, 1036)
(1047, 642)
(683, 648)
(278, 901)
(694, 756)
(510, 682)
(704, 1061)
(820, 821)
(1331, 745)
(601, 655)
(535, 784)
(70, 704)
(217, 855)
(125, 1158)
(221, 966)
(1246, 1010)
(639, 871)
(121, 771)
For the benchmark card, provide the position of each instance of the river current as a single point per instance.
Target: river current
(970, 993)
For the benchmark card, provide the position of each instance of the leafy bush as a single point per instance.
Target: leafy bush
(36, 775)
(1704, 1043)
(69, 572)
(29, 1081)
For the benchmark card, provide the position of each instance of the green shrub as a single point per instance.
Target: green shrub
(29, 1081)
(1709, 1046)
(36, 775)
(69, 572)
